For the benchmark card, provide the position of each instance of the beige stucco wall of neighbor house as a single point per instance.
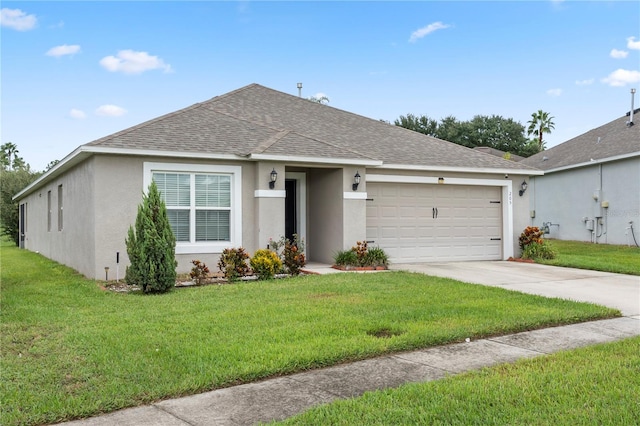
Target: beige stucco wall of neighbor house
(73, 245)
(326, 203)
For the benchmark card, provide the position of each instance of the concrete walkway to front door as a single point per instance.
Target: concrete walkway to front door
(604, 288)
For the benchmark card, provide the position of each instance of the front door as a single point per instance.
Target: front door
(290, 209)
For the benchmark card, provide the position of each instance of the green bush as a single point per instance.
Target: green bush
(265, 264)
(376, 257)
(345, 258)
(233, 263)
(151, 246)
(541, 250)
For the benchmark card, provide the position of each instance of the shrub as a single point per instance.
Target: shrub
(265, 264)
(291, 253)
(360, 250)
(531, 234)
(151, 246)
(376, 257)
(533, 245)
(541, 250)
(199, 272)
(233, 263)
(345, 258)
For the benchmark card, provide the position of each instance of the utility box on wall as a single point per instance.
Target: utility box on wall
(589, 223)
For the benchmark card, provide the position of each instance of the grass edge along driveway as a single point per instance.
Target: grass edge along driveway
(71, 350)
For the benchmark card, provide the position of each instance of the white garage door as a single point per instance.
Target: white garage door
(427, 223)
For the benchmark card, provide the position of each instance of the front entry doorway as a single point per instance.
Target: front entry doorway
(290, 209)
(295, 206)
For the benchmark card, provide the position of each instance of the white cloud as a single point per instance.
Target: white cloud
(622, 77)
(632, 44)
(586, 82)
(418, 34)
(131, 62)
(62, 50)
(77, 114)
(17, 19)
(618, 54)
(554, 92)
(110, 111)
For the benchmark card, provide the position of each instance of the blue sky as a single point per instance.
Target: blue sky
(73, 72)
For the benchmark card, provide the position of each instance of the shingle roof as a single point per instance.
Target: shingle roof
(611, 140)
(259, 120)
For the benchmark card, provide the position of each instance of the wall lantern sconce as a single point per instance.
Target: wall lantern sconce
(523, 188)
(440, 180)
(356, 181)
(273, 177)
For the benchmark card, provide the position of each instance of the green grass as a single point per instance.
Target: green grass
(69, 349)
(597, 385)
(599, 257)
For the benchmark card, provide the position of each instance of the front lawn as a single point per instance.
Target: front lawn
(69, 349)
(597, 385)
(599, 257)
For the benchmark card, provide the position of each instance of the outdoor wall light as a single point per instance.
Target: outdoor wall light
(273, 177)
(356, 181)
(440, 180)
(523, 188)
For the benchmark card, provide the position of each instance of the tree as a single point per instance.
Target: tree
(541, 122)
(51, 164)
(151, 246)
(422, 124)
(319, 99)
(10, 150)
(493, 131)
(12, 182)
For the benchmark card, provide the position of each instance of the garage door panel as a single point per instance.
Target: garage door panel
(400, 219)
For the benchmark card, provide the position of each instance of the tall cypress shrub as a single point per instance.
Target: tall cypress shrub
(151, 246)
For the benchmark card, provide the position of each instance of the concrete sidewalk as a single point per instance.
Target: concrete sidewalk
(283, 397)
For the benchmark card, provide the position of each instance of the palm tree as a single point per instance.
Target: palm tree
(541, 122)
(10, 150)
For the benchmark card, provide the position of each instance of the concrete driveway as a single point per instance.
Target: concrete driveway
(613, 290)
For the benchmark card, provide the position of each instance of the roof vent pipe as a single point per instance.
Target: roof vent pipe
(300, 93)
(633, 92)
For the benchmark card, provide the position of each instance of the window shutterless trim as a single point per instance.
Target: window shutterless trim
(235, 172)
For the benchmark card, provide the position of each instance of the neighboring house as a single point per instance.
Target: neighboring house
(590, 190)
(419, 198)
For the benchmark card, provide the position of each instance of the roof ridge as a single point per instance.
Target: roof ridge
(233, 92)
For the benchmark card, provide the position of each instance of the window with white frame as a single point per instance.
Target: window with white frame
(203, 204)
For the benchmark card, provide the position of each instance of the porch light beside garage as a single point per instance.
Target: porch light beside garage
(356, 181)
(523, 188)
(273, 177)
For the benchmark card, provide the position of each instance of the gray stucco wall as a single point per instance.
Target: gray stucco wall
(572, 199)
(73, 246)
(325, 228)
